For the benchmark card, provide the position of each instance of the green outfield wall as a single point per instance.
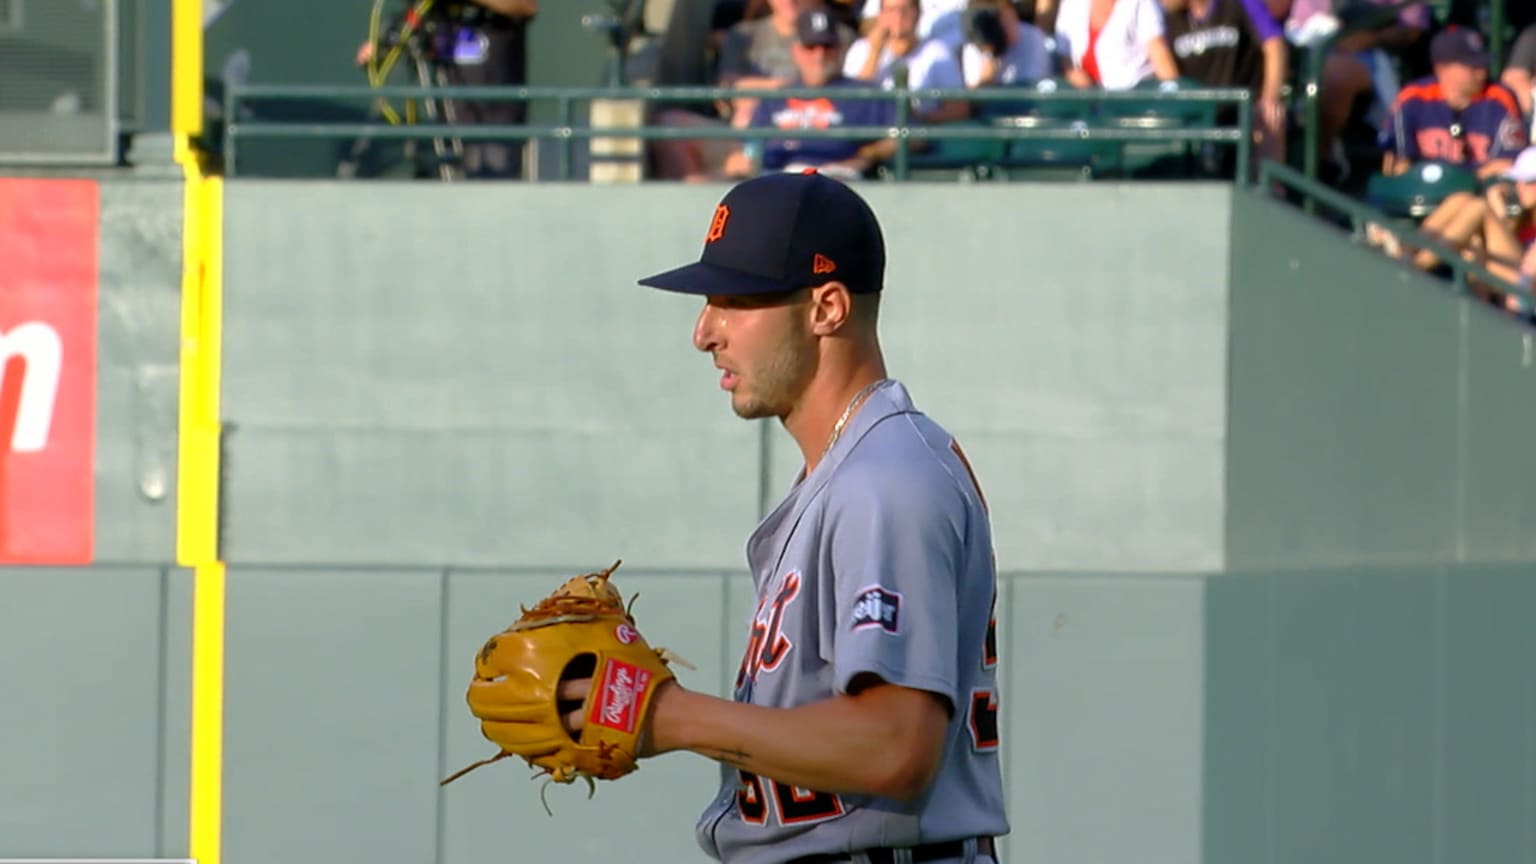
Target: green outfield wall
(1260, 498)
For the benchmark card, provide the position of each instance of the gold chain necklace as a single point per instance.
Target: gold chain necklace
(854, 403)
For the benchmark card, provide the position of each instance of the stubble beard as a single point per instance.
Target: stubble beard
(775, 386)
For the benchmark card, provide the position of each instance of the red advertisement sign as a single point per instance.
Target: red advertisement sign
(47, 370)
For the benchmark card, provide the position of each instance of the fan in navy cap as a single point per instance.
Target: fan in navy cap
(864, 723)
(818, 58)
(1459, 45)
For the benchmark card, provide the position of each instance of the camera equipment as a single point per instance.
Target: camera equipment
(422, 31)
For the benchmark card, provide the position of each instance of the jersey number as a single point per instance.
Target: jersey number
(796, 806)
(983, 707)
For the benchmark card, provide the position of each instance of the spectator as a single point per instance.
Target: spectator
(754, 54)
(1520, 72)
(1360, 66)
(1113, 44)
(1510, 236)
(1457, 117)
(818, 55)
(930, 63)
(1000, 49)
(493, 52)
(937, 19)
(1234, 43)
(489, 48)
(759, 53)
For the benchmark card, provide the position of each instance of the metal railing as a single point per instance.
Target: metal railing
(1466, 276)
(1059, 126)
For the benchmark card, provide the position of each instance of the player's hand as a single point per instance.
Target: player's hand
(573, 695)
(364, 53)
(1079, 79)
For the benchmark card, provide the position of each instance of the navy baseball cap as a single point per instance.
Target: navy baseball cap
(1459, 45)
(781, 232)
(816, 27)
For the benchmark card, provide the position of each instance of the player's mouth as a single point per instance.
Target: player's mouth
(728, 379)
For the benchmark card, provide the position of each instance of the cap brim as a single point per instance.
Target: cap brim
(706, 279)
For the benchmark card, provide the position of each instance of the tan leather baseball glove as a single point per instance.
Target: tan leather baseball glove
(583, 629)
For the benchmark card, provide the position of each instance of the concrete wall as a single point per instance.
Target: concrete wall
(1222, 641)
(409, 385)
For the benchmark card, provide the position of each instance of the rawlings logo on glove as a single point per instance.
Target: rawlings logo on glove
(583, 630)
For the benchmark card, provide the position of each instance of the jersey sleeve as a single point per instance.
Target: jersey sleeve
(1512, 133)
(896, 551)
(1265, 27)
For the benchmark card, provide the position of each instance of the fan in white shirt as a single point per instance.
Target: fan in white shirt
(937, 19)
(893, 40)
(1113, 44)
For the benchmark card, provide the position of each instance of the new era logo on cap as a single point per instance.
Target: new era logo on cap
(781, 232)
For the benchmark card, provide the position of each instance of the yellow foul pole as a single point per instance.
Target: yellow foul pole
(197, 494)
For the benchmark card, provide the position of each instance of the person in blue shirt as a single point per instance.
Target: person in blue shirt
(818, 55)
(1455, 117)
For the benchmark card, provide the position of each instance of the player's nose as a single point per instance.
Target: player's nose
(706, 330)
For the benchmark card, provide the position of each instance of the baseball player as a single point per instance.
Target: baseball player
(864, 724)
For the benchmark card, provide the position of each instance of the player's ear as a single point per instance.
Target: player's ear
(831, 307)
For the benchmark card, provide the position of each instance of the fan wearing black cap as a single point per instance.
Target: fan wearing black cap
(818, 54)
(863, 724)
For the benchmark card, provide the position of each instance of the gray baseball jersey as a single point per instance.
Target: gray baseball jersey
(880, 561)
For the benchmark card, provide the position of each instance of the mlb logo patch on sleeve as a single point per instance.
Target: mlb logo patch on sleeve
(877, 607)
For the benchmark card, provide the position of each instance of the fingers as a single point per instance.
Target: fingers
(575, 690)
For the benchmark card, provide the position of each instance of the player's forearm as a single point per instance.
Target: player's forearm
(864, 744)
